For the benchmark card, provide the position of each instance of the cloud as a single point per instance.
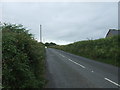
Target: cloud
(64, 22)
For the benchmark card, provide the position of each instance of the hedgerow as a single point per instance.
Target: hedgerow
(22, 58)
(104, 50)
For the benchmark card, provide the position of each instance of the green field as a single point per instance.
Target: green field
(23, 58)
(103, 50)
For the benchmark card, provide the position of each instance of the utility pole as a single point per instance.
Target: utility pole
(40, 33)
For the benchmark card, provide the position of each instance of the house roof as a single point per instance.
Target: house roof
(113, 32)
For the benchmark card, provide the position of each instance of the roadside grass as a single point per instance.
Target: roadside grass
(105, 50)
(23, 58)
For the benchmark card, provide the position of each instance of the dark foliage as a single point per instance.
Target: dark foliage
(23, 58)
(105, 50)
(50, 44)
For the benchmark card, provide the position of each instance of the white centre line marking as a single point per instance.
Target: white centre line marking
(62, 55)
(76, 63)
(59, 54)
(73, 61)
(112, 81)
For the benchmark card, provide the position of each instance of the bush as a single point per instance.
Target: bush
(23, 58)
(104, 50)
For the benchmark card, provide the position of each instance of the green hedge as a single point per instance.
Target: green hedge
(104, 50)
(22, 58)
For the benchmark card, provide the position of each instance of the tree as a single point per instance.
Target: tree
(50, 44)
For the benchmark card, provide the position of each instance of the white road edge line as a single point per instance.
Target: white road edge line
(76, 63)
(112, 81)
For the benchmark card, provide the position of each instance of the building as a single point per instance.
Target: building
(112, 32)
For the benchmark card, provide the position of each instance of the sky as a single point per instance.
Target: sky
(63, 22)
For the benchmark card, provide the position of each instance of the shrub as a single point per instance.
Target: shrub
(23, 58)
(104, 50)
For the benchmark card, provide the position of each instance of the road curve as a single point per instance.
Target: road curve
(65, 70)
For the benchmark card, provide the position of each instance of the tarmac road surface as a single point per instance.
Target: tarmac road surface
(65, 70)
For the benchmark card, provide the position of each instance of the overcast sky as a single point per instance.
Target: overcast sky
(66, 22)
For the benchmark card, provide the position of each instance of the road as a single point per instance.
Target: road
(65, 70)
